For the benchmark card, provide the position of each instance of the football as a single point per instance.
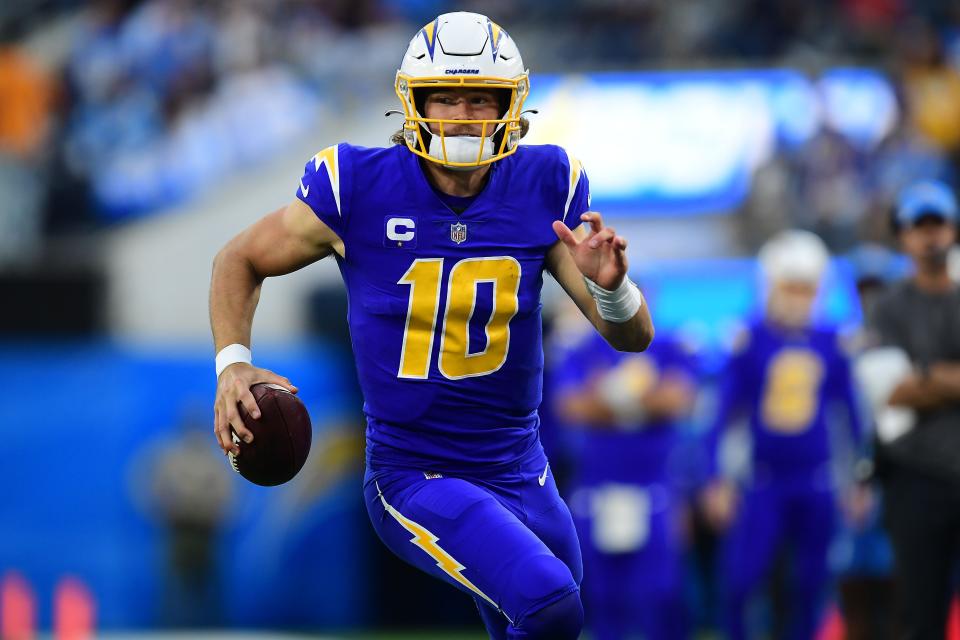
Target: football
(281, 437)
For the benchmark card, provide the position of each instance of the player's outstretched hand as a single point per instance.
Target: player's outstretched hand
(233, 389)
(601, 256)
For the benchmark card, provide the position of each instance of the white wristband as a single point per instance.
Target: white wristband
(618, 305)
(231, 354)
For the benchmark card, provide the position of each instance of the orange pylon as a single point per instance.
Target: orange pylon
(18, 609)
(74, 611)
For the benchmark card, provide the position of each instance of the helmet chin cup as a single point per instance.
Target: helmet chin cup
(461, 153)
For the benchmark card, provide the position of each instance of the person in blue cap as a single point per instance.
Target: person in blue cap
(916, 323)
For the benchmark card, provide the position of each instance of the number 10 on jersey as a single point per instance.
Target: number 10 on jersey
(424, 279)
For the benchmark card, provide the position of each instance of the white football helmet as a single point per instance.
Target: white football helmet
(793, 265)
(794, 256)
(462, 50)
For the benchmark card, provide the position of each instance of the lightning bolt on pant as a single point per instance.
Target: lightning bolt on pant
(501, 537)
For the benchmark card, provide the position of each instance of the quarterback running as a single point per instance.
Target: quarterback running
(442, 241)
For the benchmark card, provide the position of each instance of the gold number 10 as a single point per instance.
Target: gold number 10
(423, 277)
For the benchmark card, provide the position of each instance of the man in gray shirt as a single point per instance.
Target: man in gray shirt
(920, 466)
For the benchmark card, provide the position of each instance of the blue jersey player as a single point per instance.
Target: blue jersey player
(442, 242)
(626, 496)
(788, 378)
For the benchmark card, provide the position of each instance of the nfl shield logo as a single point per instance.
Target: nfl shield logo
(458, 232)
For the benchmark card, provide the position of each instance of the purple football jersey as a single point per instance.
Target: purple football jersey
(786, 382)
(444, 308)
(612, 453)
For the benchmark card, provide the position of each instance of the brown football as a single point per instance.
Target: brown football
(281, 437)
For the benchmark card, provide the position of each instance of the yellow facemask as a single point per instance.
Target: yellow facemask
(415, 124)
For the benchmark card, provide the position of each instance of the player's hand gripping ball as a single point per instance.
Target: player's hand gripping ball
(281, 437)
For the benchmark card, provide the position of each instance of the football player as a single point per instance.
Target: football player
(786, 376)
(442, 242)
(626, 494)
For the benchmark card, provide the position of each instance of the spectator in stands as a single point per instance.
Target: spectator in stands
(903, 157)
(932, 86)
(25, 99)
(830, 189)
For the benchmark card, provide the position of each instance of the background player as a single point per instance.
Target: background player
(442, 244)
(786, 375)
(626, 494)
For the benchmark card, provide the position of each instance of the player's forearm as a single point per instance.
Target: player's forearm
(234, 293)
(916, 393)
(945, 380)
(669, 400)
(586, 407)
(635, 334)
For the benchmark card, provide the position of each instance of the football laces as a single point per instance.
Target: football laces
(233, 458)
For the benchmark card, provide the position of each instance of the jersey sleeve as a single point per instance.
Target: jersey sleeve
(576, 190)
(841, 386)
(732, 396)
(321, 187)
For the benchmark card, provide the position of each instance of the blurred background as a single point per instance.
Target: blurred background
(138, 136)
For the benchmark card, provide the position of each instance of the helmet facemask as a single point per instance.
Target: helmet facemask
(499, 137)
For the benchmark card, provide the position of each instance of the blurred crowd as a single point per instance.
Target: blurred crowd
(844, 192)
(116, 108)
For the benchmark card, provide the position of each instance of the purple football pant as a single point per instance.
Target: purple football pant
(774, 516)
(501, 537)
(640, 590)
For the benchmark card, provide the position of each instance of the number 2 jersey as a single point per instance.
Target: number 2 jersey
(444, 308)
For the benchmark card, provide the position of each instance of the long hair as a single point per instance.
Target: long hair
(397, 137)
